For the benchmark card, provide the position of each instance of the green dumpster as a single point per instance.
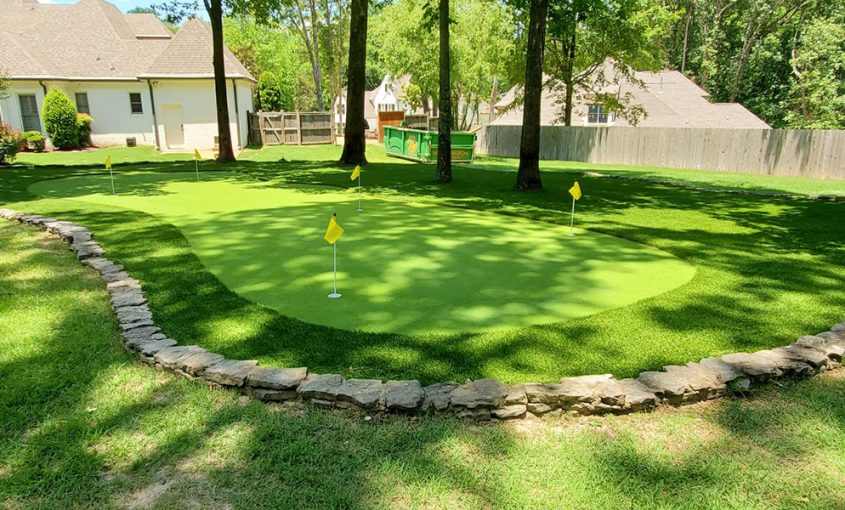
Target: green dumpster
(421, 145)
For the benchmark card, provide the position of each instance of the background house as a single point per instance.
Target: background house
(387, 97)
(135, 77)
(669, 99)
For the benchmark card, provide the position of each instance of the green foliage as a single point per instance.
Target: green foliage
(4, 85)
(60, 123)
(482, 39)
(34, 140)
(84, 123)
(594, 45)
(275, 50)
(779, 58)
(273, 94)
(10, 142)
(817, 95)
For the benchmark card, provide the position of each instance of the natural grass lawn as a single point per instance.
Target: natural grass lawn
(85, 425)
(768, 271)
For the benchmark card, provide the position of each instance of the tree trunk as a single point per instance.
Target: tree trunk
(686, 42)
(224, 134)
(528, 176)
(494, 96)
(353, 134)
(570, 74)
(444, 128)
(318, 72)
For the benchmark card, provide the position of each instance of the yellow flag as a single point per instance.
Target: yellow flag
(108, 162)
(334, 231)
(575, 191)
(197, 155)
(355, 173)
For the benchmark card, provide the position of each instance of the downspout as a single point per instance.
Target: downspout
(237, 113)
(155, 119)
(43, 87)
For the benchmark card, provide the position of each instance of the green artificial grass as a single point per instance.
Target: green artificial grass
(404, 267)
(767, 271)
(84, 425)
(97, 157)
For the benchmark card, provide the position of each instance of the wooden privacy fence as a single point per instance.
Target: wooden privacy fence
(785, 152)
(291, 128)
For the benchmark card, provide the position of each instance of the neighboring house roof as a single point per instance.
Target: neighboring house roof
(93, 40)
(669, 98)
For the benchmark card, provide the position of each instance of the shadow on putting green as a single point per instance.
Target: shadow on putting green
(403, 267)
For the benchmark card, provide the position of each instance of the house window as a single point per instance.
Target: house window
(82, 103)
(597, 115)
(386, 107)
(29, 112)
(135, 103)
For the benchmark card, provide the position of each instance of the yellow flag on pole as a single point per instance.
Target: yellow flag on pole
(355, 173)
(334, 231)
(108, 162)
(197, 155)
(575, 191)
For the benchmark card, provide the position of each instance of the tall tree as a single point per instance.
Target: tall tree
(354, 146)
(225, 152)
(528, 175)
(444, 125)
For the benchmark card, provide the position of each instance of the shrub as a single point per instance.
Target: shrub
(83, 126)
(34, 141)
(273, 94)
(10, 142)
(59, 115)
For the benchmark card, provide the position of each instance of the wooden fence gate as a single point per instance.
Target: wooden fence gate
(291, 128)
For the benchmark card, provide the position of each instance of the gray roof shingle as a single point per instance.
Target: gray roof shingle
(93, 40)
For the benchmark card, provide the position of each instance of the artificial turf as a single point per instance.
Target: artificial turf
(405, 267)
(767, 271)
(84, 425)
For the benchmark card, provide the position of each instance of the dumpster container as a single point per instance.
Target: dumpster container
(421, 145)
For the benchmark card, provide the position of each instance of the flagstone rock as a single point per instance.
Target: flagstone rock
(115, 277)
(170, 356)
(141, 334)
(275, 395)
(123, 282)
(610, 395)
(516, 395)
(196, 364)
(321, 387)
(151, 347)
(436, 396)
(131, 298)
(703, 382)
(510, 411)
(786, 364)
(538, 408)
(481, 393)
(813, 357)
(230, 372)
(753, 365)
(365, 393)
(638, 397)
(134, 313)
(671, 387)
(277, 378)
(727, 372)
(129, 326)
(88, 250)
(403, 395)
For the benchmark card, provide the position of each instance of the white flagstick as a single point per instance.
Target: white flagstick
(572, 219)
(111, 174)
(359, 192)
(334, 295)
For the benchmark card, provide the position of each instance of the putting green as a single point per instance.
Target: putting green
(403, 267)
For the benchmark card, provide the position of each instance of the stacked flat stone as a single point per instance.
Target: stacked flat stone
(482, 399)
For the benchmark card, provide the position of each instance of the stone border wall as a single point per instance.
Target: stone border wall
(706, 379)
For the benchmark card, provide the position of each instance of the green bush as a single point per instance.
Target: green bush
(34, 141)
(10, 143)
(83, 126)
(59, 115)
(273, 94)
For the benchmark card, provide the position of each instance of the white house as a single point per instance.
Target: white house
(387, 97)
(140, 82)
